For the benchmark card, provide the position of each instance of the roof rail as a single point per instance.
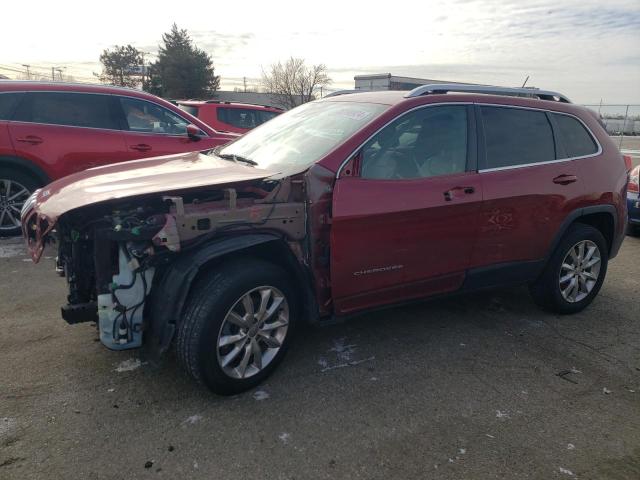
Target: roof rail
(486, 89)
(343, 92)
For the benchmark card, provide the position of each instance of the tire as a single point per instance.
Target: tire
(547, 290)
(17, 181)
(208, 319)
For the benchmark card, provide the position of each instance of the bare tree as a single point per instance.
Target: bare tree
(293, 82)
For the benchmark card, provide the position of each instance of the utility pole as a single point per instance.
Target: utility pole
(244, 81)
(28, 72)
(53, 74)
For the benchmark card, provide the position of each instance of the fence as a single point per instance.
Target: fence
(620, 121)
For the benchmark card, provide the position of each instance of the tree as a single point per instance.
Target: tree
(294, 82)
(182, 69)
(122, 66)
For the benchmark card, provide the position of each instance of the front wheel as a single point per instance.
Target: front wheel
(237, 325)
(575, 272)
(15, 189)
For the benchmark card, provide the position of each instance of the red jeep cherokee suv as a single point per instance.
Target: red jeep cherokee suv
(49, 130)
(341, 205)
(229, 116)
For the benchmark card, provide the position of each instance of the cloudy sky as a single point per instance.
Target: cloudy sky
(589, 50)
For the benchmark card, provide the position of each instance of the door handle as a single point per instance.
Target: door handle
(31, 139)
(565, 179)
(141, 147)
(449, 194)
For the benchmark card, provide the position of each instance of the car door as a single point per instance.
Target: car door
(65, 132)
(404, 225)
(151, 130)
(529, 188)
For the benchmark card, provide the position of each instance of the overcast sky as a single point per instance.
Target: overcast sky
(589, 50)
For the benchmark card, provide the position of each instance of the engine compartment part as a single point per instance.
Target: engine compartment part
(120, 312)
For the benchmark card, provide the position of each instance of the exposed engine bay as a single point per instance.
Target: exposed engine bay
(110, 253)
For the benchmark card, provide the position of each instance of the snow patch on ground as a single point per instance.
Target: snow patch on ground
(128, 365)
(566, 472)
(500, 414)
(284, 437)
(193, 419)
(12, 248)
(261, 395)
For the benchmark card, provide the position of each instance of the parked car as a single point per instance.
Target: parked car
(342, 205)
(49, 130)
(229, 116)
(633, 201)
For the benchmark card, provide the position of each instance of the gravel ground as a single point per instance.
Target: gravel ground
(477, 387)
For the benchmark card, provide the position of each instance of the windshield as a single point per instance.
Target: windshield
(302, 136)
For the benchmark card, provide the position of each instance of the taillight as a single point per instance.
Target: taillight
(633, 180)
(628, 162)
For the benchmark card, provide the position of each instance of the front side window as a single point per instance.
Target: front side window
(428, 142)
(146, 117)
(71, 109)
(577, 141)
(300, 137)
(8, 103)
(515, 136)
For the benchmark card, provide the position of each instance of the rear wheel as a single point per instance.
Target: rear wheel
(15, 189)
(575, 272)
(237, 325)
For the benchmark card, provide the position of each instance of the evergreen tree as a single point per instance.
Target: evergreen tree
(182, 70)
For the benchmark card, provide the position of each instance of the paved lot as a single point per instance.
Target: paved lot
(479, 387)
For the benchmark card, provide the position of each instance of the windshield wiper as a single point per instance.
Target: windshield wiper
(236, 158)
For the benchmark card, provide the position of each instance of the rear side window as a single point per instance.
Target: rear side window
(8, 102)
(190, 109)
(577, 141)
(244, 117)
(71, 109)
(516, 136)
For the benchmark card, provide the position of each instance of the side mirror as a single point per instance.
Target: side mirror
(193, 132)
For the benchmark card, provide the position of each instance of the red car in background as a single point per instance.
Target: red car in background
(229, 116)
(50, 130)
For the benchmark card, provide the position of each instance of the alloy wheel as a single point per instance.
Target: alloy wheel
(579, 271)
(12, 198)
(253, 332)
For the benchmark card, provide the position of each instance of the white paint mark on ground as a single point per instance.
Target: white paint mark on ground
(606, 391)
(463, 344)
(261, 395)
(374, 379)
(571, 446)
(348, 364)
(111, 390)
(490, 436)
(575, 370)
(193, 419)
(462, 451)
(500, 414)
(284, 437)
(128, 365)
(566, 472)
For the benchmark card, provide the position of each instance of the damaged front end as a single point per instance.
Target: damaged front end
(113, 252)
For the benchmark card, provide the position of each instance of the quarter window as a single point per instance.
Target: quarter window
(71, 109)
(425, 143)
(147, 117)
(577, 141)
(515, 136)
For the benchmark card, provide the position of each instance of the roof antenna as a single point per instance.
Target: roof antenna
(525, 81)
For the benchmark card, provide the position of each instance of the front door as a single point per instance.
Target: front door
(404, 225)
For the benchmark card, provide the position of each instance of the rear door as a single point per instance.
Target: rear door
(405, 226)
(529, 185)
(65, 132)
(151, 130)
